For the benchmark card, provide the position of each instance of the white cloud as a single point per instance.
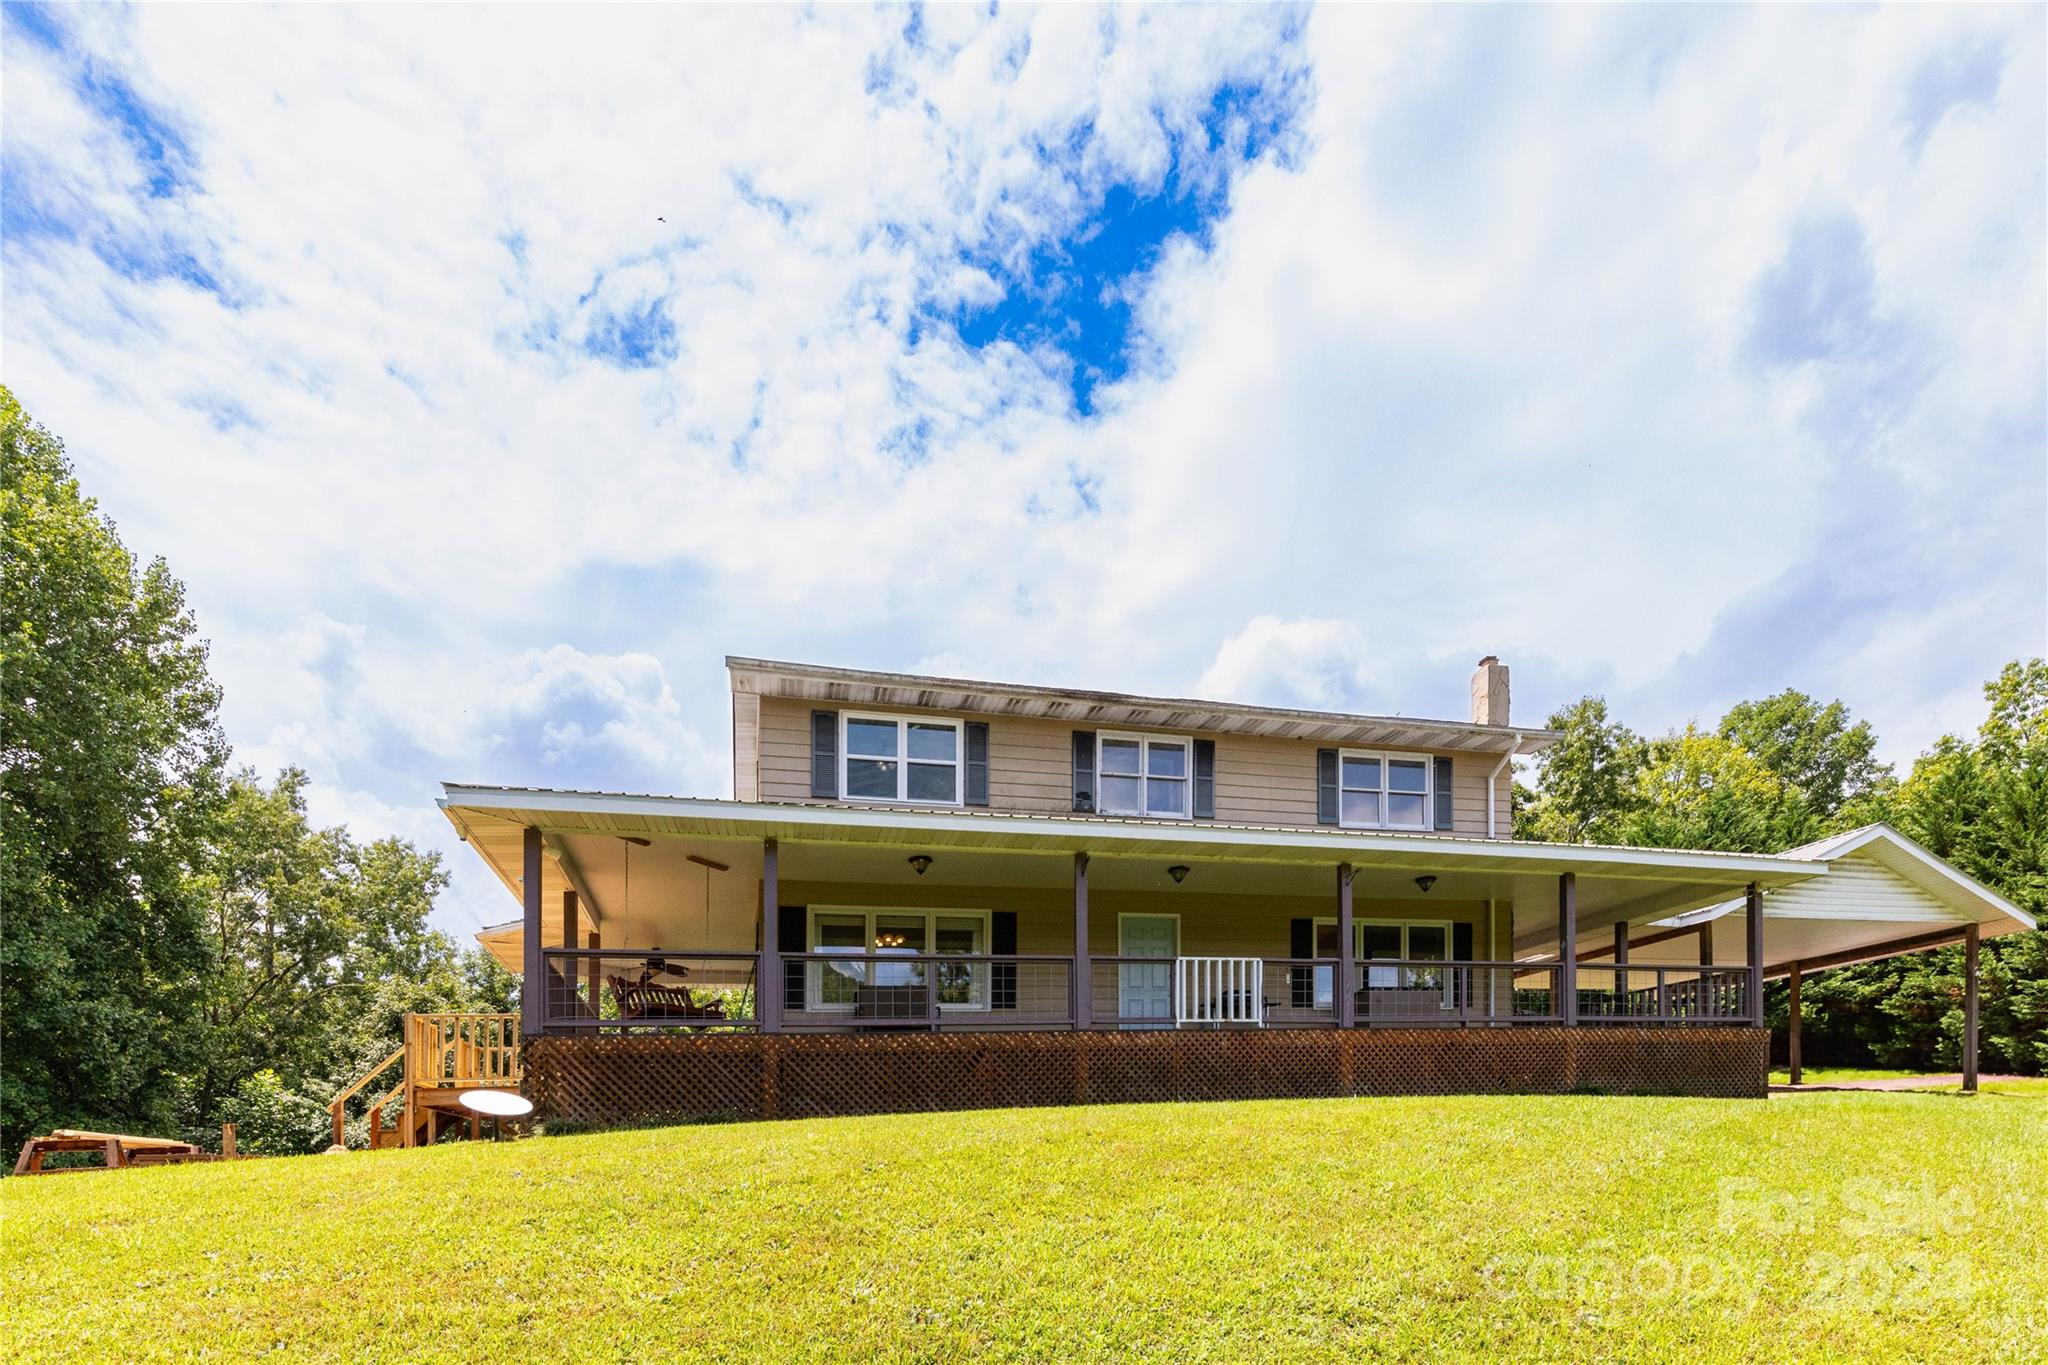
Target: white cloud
(1470, 369)
(1307, 663)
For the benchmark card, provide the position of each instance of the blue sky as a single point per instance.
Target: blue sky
(488, 377)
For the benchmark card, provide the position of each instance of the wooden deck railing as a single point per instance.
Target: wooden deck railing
(462, 1049)
(443, 1052)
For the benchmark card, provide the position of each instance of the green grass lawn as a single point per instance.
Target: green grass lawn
(1830, 1075)
(1869, 1226)
(1835, 1075)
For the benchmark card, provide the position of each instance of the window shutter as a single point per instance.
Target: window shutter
(790, 933)
(1301, 981)
(825, 754)
(1443, 793)
(977, 763)
(1205, 779)
(1326, 786)
(1002, 976)
(1084, 770)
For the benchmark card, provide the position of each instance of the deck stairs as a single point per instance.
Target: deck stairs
(442, 1057)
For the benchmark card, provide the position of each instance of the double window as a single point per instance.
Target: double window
(1142, 775)
(1413, 943)
(877, 944)
(897, 758)
(1383, 791)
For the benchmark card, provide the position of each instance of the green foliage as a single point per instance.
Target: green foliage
(1786, 770)
(305, 927)
(1587, 782)
(179, 948)
(111, 772)
(1703, 791)
(1822, 761)
(272, 1121)
(1512, 1228)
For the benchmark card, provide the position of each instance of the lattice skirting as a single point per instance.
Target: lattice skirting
(636, 1078)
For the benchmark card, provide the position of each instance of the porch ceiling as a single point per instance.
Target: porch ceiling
(645, 895)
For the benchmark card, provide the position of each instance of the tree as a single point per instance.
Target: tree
(306, 926)
(110, 764)
(1702, 791)
(1824, 763)
(1586, 781)
(1981, 804)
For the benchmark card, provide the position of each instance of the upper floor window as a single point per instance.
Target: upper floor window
(1142, 775)
(1383, 791)
(896, 758)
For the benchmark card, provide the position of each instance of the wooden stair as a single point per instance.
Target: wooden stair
(443, 1057)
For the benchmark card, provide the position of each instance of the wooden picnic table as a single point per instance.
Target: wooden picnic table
(120, 1149)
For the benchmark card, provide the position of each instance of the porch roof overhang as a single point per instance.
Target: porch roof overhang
(582, 833)
(1884, 895)
(865, 687)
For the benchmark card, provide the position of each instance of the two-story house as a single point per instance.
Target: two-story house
(928, 892)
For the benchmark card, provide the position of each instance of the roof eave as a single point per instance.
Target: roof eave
(1517, 739)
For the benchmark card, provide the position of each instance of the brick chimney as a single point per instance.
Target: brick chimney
(1490, 692)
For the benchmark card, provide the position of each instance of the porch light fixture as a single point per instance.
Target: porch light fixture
(1425, 881)
(1179, 873)
(919, 862)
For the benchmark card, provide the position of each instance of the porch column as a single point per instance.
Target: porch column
(1347, 1002)
(1970, 938)
(1568, 948)
(1755, 929)
(566, 976)
(591, 975)
(530, 985)
(1792, 1028)
(1084, 976)
(768, 973)
(1621, 1000)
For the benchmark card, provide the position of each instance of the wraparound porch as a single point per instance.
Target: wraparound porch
(873, 938)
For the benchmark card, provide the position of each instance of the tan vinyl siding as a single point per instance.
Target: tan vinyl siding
(785, 750)
(1219, 926)
(1259, 781)
(746, 746)
(1858, 887)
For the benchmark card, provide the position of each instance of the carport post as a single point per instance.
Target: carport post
(1792, 1028)
(1970, 937)
(1755, 906)
(1568, 948)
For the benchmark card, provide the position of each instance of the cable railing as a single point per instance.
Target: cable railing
(854, 990)
(606, 989)
(1696, 994)
(891, 989)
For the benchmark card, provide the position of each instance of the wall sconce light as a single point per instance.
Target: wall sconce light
(1179, 873)
(919, 862)
(1425, 881)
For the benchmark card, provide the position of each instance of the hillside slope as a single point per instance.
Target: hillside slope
(1872, 1226)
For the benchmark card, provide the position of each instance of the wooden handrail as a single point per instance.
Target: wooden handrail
(334, 1105)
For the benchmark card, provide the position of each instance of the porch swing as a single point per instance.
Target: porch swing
(649, 1001)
